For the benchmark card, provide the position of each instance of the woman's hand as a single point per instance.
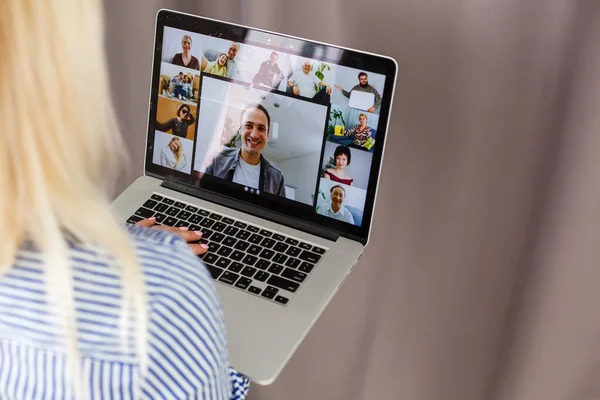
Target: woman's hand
(191, 237)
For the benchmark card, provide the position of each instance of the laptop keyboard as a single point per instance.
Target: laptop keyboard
(247, 257)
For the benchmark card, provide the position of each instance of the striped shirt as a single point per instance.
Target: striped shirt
(187, 349)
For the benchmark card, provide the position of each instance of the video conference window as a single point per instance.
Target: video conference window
(259, 139)
(263, 117)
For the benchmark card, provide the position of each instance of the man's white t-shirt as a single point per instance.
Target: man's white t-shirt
(305, 83)
(247, 174)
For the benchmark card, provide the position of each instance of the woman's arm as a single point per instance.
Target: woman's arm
(167, 126)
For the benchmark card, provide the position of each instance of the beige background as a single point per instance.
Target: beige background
(481, 278)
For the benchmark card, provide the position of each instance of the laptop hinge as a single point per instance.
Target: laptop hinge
(254, 210)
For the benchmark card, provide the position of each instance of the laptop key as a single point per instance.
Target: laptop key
(261, 276)
(160, 217)
(231, 231)
(276, 269)
(229, 277)
(172, 211)
(168, 201)
(280, 246)
(249, 271)
(283, 283)
(293, 251)
(254, 249)
(179, 204)
(224, 251)
(278, 237)
(262, 264)
(249, 260)
(180, 224)
(191, 209)
(294, 275)
(133, 219)
(156, 197)
(216, 217)
(292, 263)
(291, 241)
(243, 283)
(256, 239)
(254, 289)
(267, 254)
(223, 262)
(203, 213)
(241, 245)
(207, 223)
(213, 247)
(195, 219)
(306, 267)
(227, 221)
(269, 292)
(161, 207)
(281, 299)
(242, 235)
(150, 203)
(253, 229)
(144, 212)
(318, 250)
(237, 255)
(229, 241)
(184, 214)
(268, 243)
(217, 237)
(170, 221)
(214, 271)
(305, 246)
(219, 227)
(210, 258)
(280, 258)
(310, 257)
(206, 233)
(236, 266)
(240, 224)
(266, 233)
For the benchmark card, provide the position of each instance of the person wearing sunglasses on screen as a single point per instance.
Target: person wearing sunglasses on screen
(180, 124)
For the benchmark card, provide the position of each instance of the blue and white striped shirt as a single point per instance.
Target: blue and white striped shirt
(187, 349)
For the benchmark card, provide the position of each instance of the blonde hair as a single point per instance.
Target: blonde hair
(176, 153)
(56, 179)
(363, 115)
(187, 37)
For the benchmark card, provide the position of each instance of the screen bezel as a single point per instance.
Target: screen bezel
(273, 204)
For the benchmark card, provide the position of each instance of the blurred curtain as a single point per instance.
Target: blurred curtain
(480, 280)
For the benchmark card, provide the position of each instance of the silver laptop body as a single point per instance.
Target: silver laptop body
(316, 250)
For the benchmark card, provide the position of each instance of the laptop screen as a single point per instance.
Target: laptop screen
(289, 125)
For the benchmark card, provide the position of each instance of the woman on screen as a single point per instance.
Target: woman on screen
(341, 156)
(361, 132)
(179, 125)
(185, 58)
(217, 67)
(172, 155)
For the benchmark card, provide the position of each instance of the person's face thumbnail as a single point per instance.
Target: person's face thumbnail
(254, 131)
(306, 68)
(180, 76)
(363, 80)
(184, 112)
(273, 59)
(232, 51)
(341, 161)
(186, 45)
(222, 60)
(337, 198)
(362, 120)
(174, 145)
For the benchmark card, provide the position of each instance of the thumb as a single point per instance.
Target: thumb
(146, 223)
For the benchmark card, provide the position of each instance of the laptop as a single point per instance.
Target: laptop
(242, 144)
